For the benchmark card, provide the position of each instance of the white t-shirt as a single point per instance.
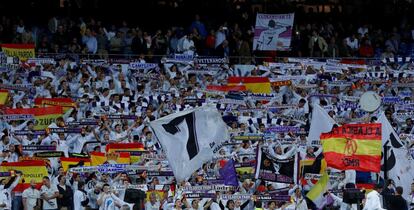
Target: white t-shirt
(149, 206)
(52, 203)
(78, 198)
(5, 198)
(268, 38)
(31, 195)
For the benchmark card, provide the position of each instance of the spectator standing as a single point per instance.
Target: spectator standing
(49, 193)
(90, 41)
(397, 202)
(317, 45)
(31, 196)
(65, 198)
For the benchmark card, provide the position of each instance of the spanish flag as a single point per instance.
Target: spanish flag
(99, 158)
(43, 116)
(134, 149)
(354, 146)
(254, 84)
(22, 51)
(65, 103)
(4, 95)
(74, 162)
(35, 169)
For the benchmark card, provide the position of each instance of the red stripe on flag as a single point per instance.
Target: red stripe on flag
(18, 46)
(26, 163)
(367, 163)
(36, 111)
(124, 146)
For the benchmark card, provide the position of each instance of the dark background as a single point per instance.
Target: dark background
(163, 13)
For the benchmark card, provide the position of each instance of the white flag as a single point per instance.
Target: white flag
(321, 123)
(400, 167)
(190, 138)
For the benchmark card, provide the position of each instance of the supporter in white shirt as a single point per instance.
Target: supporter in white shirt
(78, 141)
(93, 196)
(188, 44)
(80, 199)
(374, 200)
(49, 193)
(6, 193)
(352, 42)
(31, 196)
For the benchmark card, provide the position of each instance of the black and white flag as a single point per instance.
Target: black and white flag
(190, 138)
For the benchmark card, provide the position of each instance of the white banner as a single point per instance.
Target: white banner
(273, 32)
(190, 138)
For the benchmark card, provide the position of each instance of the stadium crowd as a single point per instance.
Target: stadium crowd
(233, 38)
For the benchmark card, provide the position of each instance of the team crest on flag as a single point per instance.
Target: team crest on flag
(190, 138)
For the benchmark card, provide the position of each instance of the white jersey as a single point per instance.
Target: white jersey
(268, 38)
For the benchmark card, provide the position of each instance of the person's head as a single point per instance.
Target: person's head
(97, 188)
(124, 176)
(399, 190)
(33, 183)
(272, 205)
(390, 183)
(46, 181)
(194, 204)
(272, 23)
(378, 188)
(279, 150)
(153, 197)
(178, 203)
(81, 184)
(61, 179)
(302, 102)
(118, 128)
(230, 204)
(106, 188)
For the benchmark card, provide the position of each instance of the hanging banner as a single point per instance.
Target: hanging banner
(34, 169)
(43, 116)
(273, 32)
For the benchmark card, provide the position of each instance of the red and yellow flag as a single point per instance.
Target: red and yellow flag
(134, 149)
(66, 162)
(22, 51)
(35, 169)
(99, 158)
(254, 84)
(354, 146)
(65, 103)
(43, 116)
(4, 95)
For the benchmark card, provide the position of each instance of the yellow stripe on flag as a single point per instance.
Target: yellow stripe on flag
(4, 95)
(99, 158)
(363, 147)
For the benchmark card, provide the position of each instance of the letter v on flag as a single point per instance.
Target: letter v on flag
(190, 138)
